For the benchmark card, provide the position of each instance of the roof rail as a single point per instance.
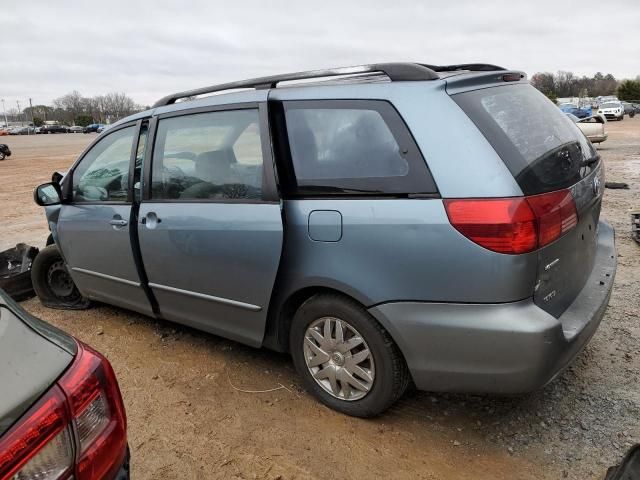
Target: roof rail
(397, 72)
(472, 67)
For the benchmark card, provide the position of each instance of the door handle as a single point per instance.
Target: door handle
(150, 220)
(118, 222)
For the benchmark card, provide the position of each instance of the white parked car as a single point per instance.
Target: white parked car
(612, 110)
(592, 127)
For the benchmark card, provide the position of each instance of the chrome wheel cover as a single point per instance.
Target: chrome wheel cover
(338, 358)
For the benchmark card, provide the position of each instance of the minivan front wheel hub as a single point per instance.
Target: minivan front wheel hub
(339, 358)
(59, 280)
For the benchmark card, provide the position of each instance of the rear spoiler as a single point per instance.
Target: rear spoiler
(481, 79)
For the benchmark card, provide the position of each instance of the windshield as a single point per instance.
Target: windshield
(543, 149)
(610, 105)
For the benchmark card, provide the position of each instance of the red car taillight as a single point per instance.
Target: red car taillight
(514, 225)
(78, 429)
(39, 446)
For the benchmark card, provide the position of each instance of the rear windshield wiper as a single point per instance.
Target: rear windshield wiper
(590, 161)
(331, 189)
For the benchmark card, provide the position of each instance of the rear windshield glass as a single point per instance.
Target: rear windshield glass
(541, 146)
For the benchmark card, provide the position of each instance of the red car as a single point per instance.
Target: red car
(61, 412)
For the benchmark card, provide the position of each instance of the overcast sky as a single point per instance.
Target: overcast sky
(150, 48)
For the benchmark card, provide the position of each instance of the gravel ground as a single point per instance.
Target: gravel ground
(187, 418)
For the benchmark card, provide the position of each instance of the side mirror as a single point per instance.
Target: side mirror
(47, 194)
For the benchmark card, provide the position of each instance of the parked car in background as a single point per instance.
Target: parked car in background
(593, 127)
(606, 98)
(22, 131)
(612, 110)
(54, 129)
(76, 129)
(61, 412)
(629, 109)
(102, 128)
(575, 110)
(92, 127)
(340, 219)
(4, 131)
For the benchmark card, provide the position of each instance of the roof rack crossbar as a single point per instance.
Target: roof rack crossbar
(395, 71)
(472, 67)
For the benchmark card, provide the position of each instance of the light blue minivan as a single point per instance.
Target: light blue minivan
(386, 224)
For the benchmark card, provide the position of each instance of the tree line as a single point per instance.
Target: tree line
(76, 109)
(565, 84)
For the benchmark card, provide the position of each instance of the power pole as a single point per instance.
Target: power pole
(4, 110)
(32, 122)
(20, 115)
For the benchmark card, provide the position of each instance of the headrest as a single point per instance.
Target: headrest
(213, 167)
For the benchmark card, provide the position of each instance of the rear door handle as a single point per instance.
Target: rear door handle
(118, 222)
(150, 220)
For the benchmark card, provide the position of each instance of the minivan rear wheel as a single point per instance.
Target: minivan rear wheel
(53, 283)
(345, 357)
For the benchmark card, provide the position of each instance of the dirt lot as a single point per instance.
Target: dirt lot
(186, 419)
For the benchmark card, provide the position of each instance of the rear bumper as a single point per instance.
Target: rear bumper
(499, 348)
(597, 138)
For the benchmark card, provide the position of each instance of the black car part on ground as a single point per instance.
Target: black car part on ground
(616, 185)
(15, 271)
(628, 468)
(635, 225)
(4, 151)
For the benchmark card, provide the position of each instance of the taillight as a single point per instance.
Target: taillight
(514, 225)
(40, 445)
(77, 430)
(556, 214)
(98, 414)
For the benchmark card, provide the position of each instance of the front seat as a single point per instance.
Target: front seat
(213, 170)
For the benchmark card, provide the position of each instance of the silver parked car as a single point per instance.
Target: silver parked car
(385, 224)
(593, 127)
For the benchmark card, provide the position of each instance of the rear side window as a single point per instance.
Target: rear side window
(208, 156)
(540, 145)
(353, 147)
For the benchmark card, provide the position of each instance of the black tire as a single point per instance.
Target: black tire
(391, 374)
(52, 282)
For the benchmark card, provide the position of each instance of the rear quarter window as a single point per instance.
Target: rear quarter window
(540, 145)
(352, 147)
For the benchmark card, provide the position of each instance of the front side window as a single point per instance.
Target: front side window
(208, 156)
(103, 173)
(353, 147)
